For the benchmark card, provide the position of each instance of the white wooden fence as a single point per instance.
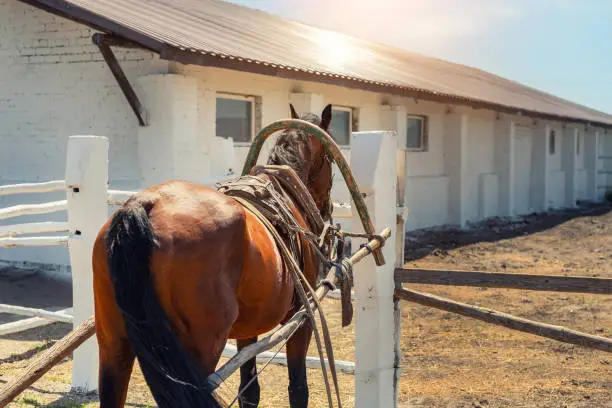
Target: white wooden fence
(10, 236)
(85, 184)
(88, 197)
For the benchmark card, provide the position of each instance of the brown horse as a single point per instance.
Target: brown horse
(179, 269)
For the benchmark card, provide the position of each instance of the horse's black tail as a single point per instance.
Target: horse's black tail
(173, 376)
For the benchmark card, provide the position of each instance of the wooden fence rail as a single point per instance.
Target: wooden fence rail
(553, 283)
(28, 188)
(346, 367)
(33, 209)
(33, 312)
(12, 242)
(27, 324)
(503, 319)
(33, 228)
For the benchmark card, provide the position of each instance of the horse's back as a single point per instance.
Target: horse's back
(199, 238)
(197, 264)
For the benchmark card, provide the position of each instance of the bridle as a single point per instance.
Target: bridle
(323, 159)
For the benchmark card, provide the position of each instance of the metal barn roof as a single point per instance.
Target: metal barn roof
(221, 34)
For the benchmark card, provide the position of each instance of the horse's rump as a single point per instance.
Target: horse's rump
(172, 375)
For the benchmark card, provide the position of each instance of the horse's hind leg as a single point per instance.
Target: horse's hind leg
(116, 357)
(115, 354)
(248, 372)
(297, 348)
(116, 362)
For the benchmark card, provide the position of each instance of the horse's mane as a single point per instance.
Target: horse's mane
(286, 151)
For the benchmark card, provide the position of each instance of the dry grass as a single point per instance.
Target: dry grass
(448, 361)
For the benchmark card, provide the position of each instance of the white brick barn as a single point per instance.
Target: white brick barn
(198, 72)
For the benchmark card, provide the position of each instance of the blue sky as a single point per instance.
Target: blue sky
(560, 46)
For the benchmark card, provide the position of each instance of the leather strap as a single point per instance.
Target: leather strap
(299, 278)
(294, 187)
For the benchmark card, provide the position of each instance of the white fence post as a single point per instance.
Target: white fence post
(87, 184)
(374, 163)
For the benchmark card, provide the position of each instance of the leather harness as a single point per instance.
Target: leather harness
(268, 192)
(272, 190)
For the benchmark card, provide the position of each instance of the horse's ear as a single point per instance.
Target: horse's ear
(326, 117)
(294, 114)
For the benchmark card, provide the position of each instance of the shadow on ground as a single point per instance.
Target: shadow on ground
(65, 399)
(26, 355)
(433, 241)
(36, 289)
(73, 400)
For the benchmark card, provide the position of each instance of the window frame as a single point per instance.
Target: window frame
(578, 142)
(552, 142)
(239, 97)
(424, 133)
(351, 112)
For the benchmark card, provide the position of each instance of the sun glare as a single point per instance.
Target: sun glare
(335, 50)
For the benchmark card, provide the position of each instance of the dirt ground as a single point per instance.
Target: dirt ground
(449, 361)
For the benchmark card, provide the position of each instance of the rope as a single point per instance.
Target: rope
(301, 281)
(344, 270)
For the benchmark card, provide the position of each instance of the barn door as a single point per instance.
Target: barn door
(522, 169)
(604, 173)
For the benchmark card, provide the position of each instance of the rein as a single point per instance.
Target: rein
(323, 159)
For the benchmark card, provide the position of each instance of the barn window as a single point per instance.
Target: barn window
(416, 133)
(551, 142)
(578, 144)
(235, 117)
(342, 125)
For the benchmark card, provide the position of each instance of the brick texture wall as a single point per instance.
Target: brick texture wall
(53, 84)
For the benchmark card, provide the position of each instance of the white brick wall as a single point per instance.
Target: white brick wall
(53, 84)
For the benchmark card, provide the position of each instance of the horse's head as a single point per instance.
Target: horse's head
(306, 155)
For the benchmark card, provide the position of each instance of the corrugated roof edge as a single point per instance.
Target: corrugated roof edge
(233, 62)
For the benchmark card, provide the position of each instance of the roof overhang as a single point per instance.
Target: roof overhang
(198, 57)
